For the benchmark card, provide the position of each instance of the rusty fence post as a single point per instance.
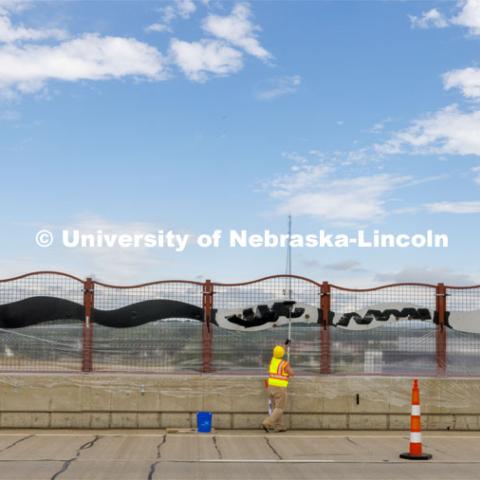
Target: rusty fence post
(325, 343)
(88, 299)
(441, 334)
(207, 331)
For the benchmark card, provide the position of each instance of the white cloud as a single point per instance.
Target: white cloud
(344, 265)
(469, 16)
(26, 68)
(303, 176)
(116, 264)
(345, 201)
(379, 127)
(199, 59)
(454, 207)
(10, 33)
(27, 64)
(359, 156)
(185, 8)
(180, 8)
(295, 157)
(426, 274)
(158, 27)
(237, 29)
(466, 79)
(432, 18)
(448, 131)
(220, 56)
(315, 189)
(13, 6)
(280, 86)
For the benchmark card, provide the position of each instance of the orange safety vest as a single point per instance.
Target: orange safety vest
(277, 376)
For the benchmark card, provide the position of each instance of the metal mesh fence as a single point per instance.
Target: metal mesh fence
(158, 346)
(463, 348)
(53, 342)
(47, 346)
(250, 351)
(404, 347)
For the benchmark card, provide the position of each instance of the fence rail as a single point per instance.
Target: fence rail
(54, 321)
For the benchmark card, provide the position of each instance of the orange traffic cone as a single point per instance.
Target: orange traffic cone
(415, 451)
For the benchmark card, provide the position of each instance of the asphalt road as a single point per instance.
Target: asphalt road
(225, 455)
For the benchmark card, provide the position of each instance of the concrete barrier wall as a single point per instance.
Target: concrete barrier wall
(161, 401)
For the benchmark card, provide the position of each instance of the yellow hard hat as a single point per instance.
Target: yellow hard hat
(278, 351)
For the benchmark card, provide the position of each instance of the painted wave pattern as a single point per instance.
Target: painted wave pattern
(35, 310)
(40, 309)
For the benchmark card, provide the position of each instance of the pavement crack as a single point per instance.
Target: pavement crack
(68, 462)
(87, 445)
(273, 449)
(217, 448)
(153, 466)
(351, 441)
(16, 442)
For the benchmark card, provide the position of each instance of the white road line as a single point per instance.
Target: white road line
(399, 435)
(313, 461)
(383, 462)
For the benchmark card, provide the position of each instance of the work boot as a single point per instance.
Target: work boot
(267, 428)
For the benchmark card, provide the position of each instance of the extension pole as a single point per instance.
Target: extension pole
(289, 272)
(289, 332)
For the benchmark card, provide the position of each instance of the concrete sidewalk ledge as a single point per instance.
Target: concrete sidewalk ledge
(238, 402)
(240, 421)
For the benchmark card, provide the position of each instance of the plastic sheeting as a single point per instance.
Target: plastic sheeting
(395, 346)
(405, 347)
(54, 346)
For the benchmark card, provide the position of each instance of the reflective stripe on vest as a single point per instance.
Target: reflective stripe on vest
(277, 377)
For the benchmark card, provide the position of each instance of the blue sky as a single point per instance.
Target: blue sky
(193, 116)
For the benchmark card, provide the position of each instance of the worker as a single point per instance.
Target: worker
(278, 374)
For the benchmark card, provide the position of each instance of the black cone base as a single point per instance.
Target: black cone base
(409, 456)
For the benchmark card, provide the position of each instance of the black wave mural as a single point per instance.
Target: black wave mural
(384, 315)
(268, 315)
(35, 310)
(40, 309)
(400, 313)
(144, 312)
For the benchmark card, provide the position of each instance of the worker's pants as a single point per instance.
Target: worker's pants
(278, 397)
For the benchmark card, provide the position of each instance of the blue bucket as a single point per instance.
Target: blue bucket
(204, 422)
